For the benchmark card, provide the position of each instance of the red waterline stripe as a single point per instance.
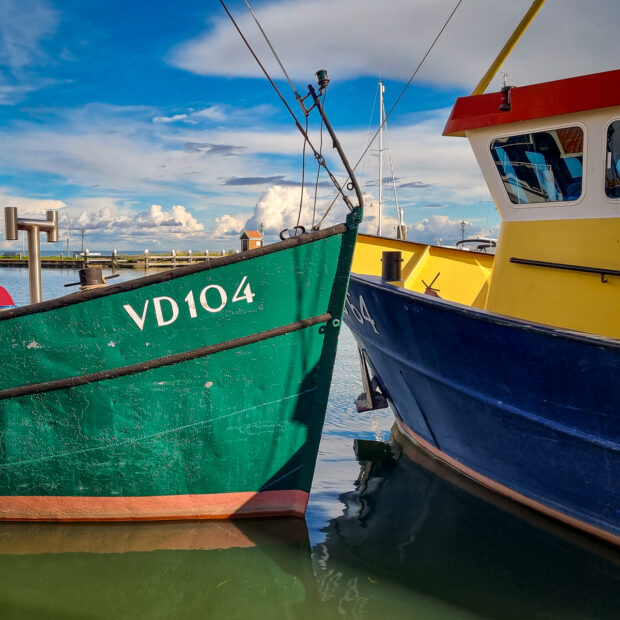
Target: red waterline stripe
(503, 490)
(154, 508)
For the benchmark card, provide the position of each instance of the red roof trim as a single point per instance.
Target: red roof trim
(252, 234)
(586, 92)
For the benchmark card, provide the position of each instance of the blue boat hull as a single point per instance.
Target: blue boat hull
(531, 411)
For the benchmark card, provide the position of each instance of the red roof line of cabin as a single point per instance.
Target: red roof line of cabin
(577, 94)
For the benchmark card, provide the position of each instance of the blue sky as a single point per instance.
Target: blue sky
(147, 124)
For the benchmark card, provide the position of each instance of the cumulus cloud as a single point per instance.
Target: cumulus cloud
(174, 222)
(278, 209)
(112, 220)
(370, 223)
(105, 218)
(229, 225)
(106, 222)
(441, 229)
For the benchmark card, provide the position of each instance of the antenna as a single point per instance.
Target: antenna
(381, 123)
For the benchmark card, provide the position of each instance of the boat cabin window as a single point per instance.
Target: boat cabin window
(612, 166)
(545, 166)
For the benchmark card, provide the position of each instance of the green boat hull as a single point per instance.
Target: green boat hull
(194, 393)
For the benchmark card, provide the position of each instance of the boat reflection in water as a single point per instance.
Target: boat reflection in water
(417, 539)
(180, 569)
(414, 540)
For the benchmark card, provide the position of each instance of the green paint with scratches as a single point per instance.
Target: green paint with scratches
(245, 419)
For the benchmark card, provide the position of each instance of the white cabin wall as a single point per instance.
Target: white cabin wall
(593, 202)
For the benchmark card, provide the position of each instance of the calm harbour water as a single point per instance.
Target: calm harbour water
(383, 537)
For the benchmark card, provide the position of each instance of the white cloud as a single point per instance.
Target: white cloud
(105, 218)
(23, 26)
(568, 37)
(370, 223)
(10, 93)
(29, 207)
(278, 209)
(223, 114)
(229, 225)
(212, 113)
(441, 229)
(170, 119)
(122, 150)
(177, 221)
(431, 167)
(184, 164)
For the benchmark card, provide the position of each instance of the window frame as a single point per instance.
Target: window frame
(543, 129)
(611, 199)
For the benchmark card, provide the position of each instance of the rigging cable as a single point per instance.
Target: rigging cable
(297, 96)
(303, 177)
(273, 51)
(366, 169)
(399, 210)
(398, 98)
(318, 168)
(320, 159)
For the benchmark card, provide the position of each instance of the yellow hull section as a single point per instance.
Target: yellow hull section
(567, 299)
(456, 275)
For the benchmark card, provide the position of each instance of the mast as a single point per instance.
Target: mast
(381, 122)
(401, 232)
(401, 229)
(512, 41)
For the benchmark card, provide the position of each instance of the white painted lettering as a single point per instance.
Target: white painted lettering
(248, 295)
(138, 320)
(159, 313)
(191, 305)
(203, 298)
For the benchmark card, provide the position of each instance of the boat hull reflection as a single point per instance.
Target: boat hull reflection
(415, 523)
